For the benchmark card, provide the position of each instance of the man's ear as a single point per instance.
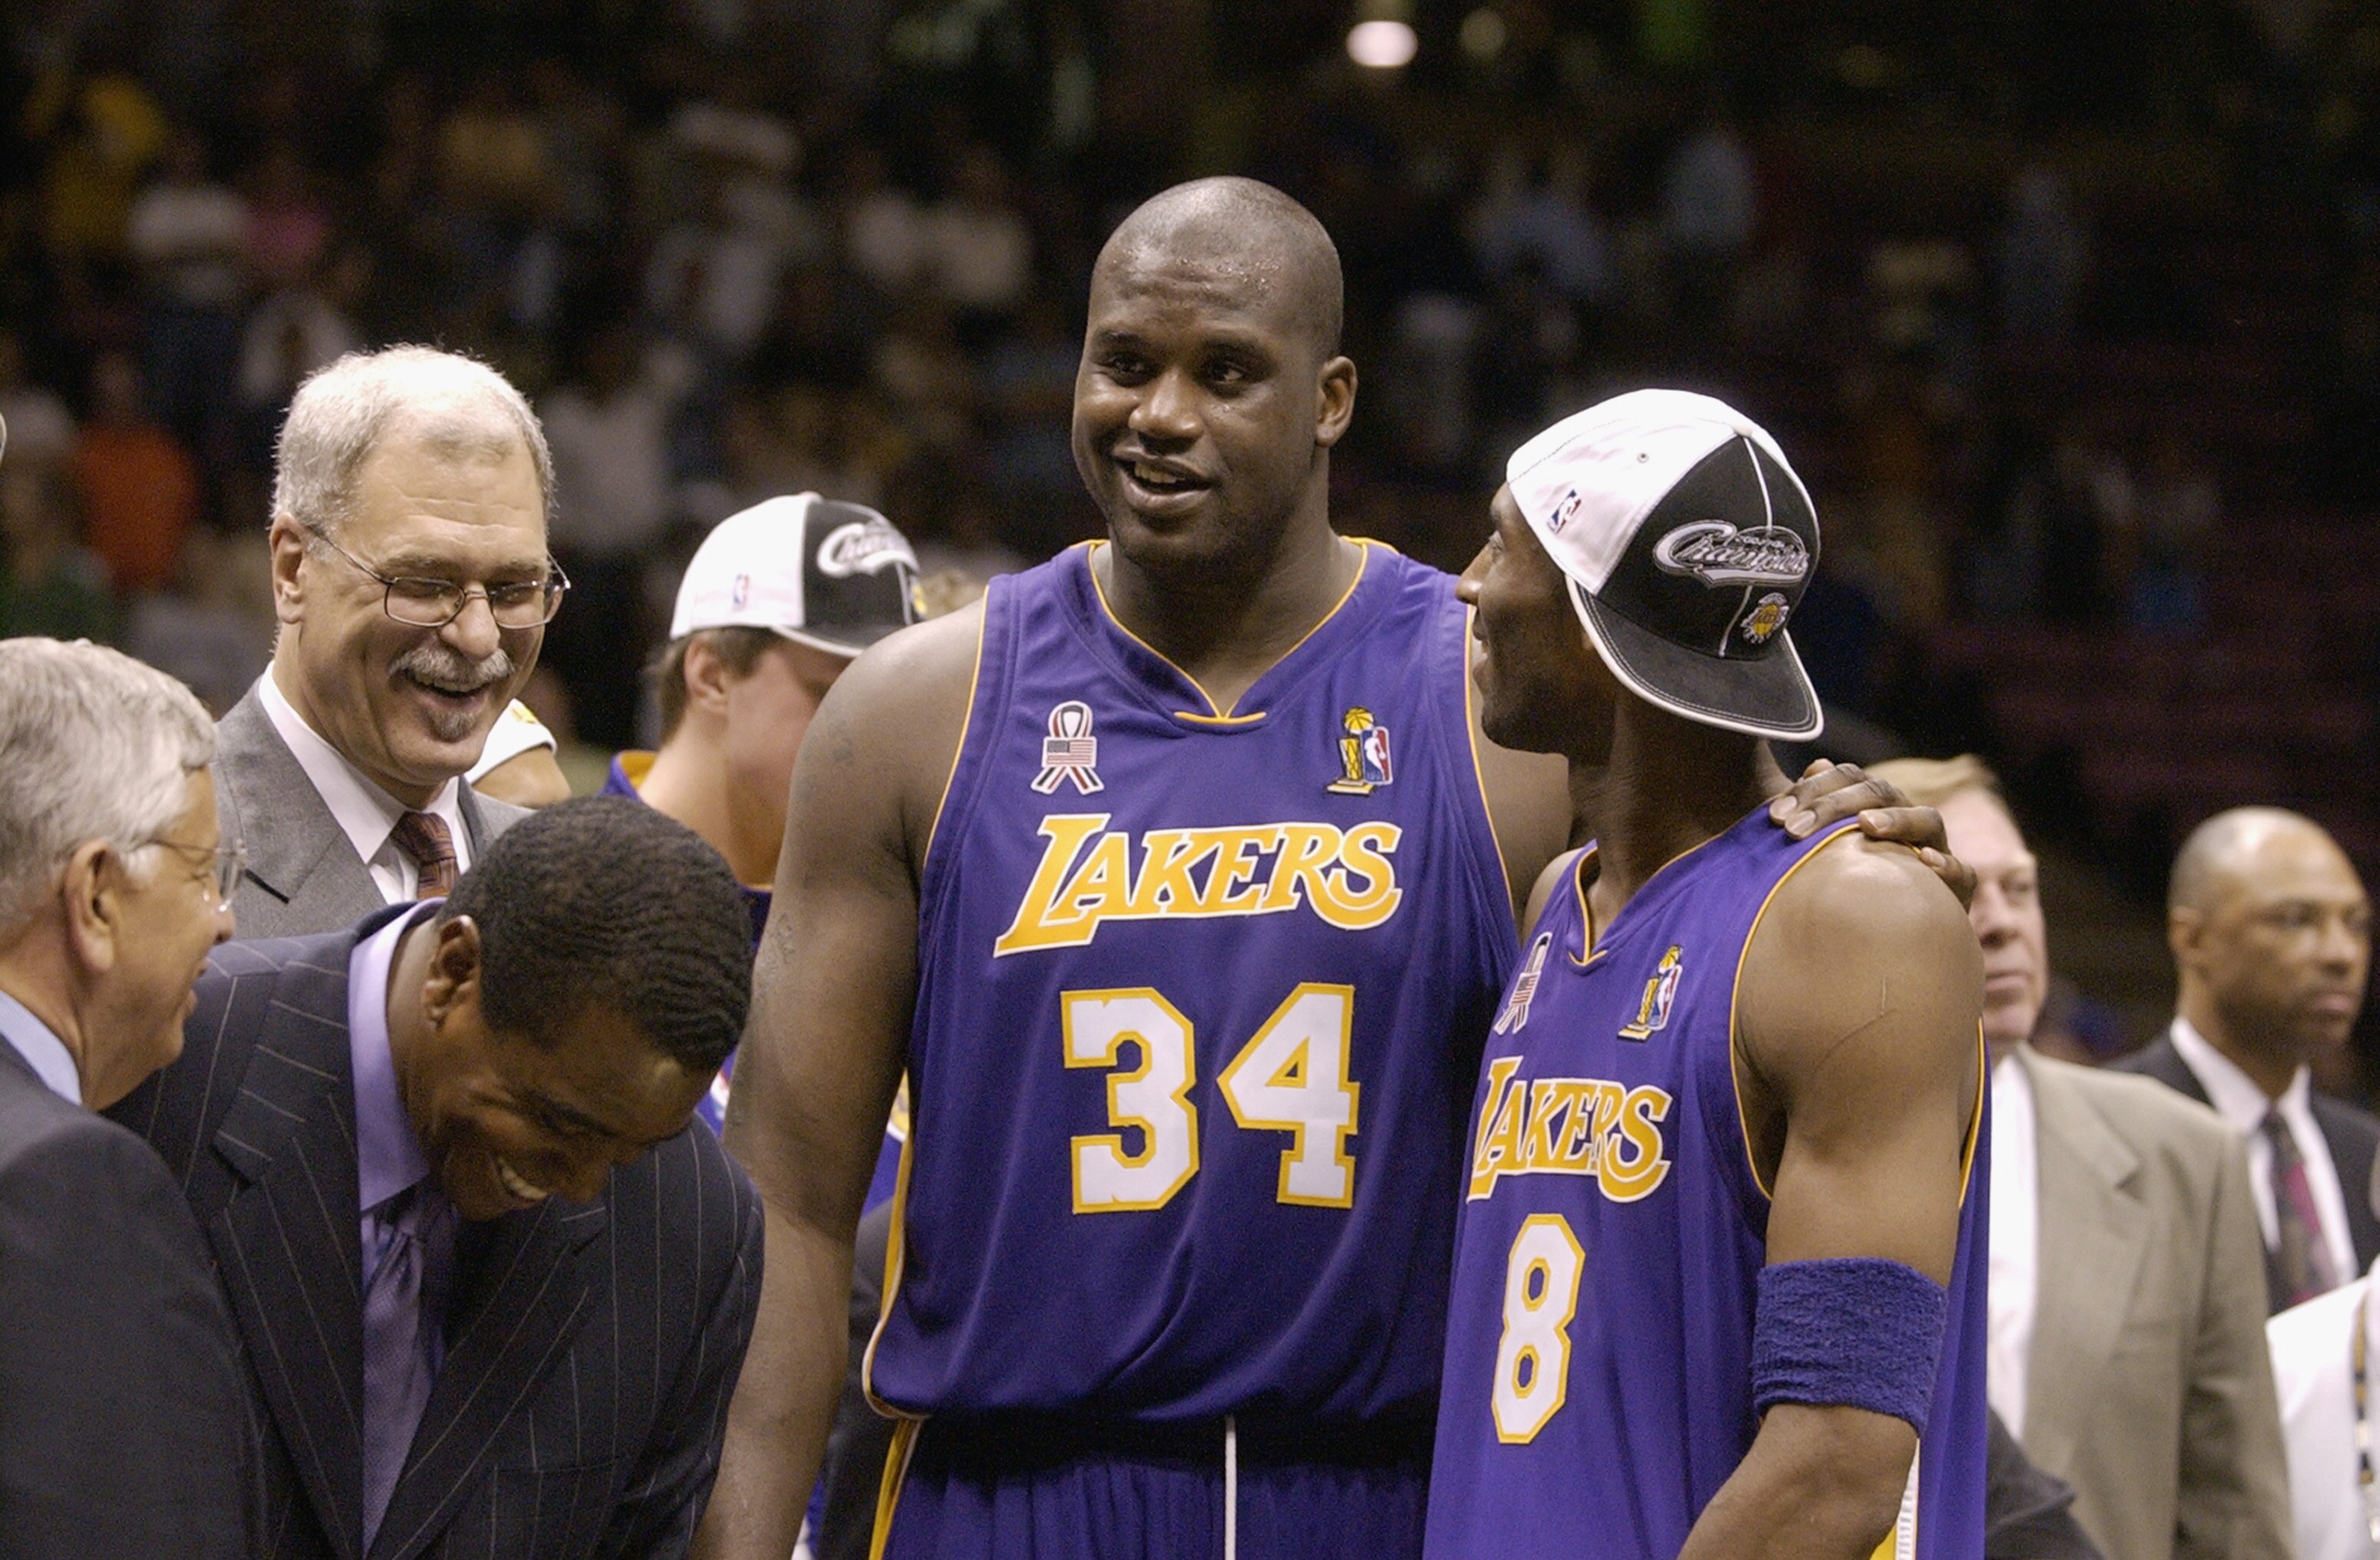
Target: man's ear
(1334, 401)
(707, 675)
(91, 893)
(288, 543)
(454, 978)
(2185, 926)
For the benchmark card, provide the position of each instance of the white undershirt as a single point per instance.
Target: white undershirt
(2013, 1284)
(2240, 1100)
(365, 814)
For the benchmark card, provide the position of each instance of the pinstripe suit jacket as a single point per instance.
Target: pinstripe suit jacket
(591, 1349)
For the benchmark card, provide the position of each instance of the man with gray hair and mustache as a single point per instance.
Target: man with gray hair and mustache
(413, 585)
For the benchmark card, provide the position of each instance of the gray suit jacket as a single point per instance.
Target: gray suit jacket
(303, 873)
(2148, 1387)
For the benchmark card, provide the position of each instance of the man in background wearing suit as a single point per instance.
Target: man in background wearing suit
(123, 1426)
(2127, 1333)
(412, 582)
(2271, 931)
(495, 1289)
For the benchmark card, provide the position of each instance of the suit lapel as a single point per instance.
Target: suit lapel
(297, 852)
(2094, 1234)
(532, 1296)
(288, 1243)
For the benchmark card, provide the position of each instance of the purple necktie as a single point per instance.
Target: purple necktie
(2303, 1256)
(404, 1327)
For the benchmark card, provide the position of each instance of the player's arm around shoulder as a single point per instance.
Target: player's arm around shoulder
(832, 990)
(1858, 1061)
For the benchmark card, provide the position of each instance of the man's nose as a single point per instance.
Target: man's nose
(1166, 409)
(474, 631)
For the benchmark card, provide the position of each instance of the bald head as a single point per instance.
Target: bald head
(2236, 847)
(2271, 931)
(1242, 231)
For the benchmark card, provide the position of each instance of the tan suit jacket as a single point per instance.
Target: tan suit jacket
(2147, 1385)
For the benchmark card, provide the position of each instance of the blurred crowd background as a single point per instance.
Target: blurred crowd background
(2067, 311)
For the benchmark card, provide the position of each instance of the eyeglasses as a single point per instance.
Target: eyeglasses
(422, 602)
(228, 863)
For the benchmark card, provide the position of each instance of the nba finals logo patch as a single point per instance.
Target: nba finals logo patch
(1768, 615)
(1363, 755)
(1660, 993)
(1070, 752)
(1516, 1016)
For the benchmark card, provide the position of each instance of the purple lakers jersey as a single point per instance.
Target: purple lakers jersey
(1599, 1360)
(1200, 998)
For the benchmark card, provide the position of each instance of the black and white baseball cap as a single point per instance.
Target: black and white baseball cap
(1687, 541)
(833, 576)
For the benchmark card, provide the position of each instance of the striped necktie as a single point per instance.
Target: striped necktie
(425, 841)
(2300, 1256)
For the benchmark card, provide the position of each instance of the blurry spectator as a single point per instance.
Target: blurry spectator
(2179, 509)
(2119, 1211)
(609, 429)
(40, 430)
(1709, 204)
(518, 764)
(2042, 251)
(2272, 930)
(106, 130)
(49, 584)
(187, 235)
(288, 228)
(884, 233)
(1548, 223)
(1028, 397)
(139, 488)
(714, 275)
(927, 381)
(977, 245)
(292, 333)
(963, 535)
(212, 629)
(2085, 515)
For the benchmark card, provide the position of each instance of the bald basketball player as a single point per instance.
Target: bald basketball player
(1176, 871)
(2271, 932)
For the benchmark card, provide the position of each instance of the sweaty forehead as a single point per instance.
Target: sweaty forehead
(1218, 247)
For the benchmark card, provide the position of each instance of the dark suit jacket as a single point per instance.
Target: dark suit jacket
(591, 1349)
(303, 873)
(124, 1429)
(2353, 1136)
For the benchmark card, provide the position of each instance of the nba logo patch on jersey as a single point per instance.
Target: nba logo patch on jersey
(1516, 1016)
(1660, 993)
(1364, 764)
(1070, 752)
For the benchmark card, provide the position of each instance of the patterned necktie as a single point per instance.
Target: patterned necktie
(2301, 1259)
(425, 841)
(404, 1313)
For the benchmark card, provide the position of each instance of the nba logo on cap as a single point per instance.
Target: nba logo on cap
(739, 593)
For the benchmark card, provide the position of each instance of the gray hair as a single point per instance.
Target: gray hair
(93, 746)
(454, 404)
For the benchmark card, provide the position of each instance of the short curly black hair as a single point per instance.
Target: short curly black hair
(605, 902)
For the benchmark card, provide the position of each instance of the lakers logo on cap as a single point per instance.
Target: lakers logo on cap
(1768, 615)
(1660, 994)
(1070, 752)
(1364, 762)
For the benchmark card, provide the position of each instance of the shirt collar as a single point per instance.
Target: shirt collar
(388, 1156)
(42, 1050)
(365, 814)
(2236, 1097)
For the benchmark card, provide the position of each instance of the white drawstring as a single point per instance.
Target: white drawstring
(1231, 1488)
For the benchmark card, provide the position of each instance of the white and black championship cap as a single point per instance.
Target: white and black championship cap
(1687, 541)
(833, 576)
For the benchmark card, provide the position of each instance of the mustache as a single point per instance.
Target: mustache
(442, 667)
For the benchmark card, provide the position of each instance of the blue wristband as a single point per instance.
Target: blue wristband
(1852, 1331)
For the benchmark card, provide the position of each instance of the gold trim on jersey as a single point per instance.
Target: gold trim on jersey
(888, 1491)
(975, 677)
(1216, 714)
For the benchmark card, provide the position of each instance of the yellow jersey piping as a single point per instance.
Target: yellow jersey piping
(974, 678)
(1479, 771)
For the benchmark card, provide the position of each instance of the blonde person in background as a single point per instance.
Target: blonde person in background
(2126, 1290)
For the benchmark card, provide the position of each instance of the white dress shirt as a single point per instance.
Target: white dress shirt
(2013, 1281)
(365, 813)
(2240, 1100)
(2314, 1375)
(42, 1050)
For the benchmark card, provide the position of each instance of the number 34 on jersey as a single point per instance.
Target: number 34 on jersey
(1291, 1076)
